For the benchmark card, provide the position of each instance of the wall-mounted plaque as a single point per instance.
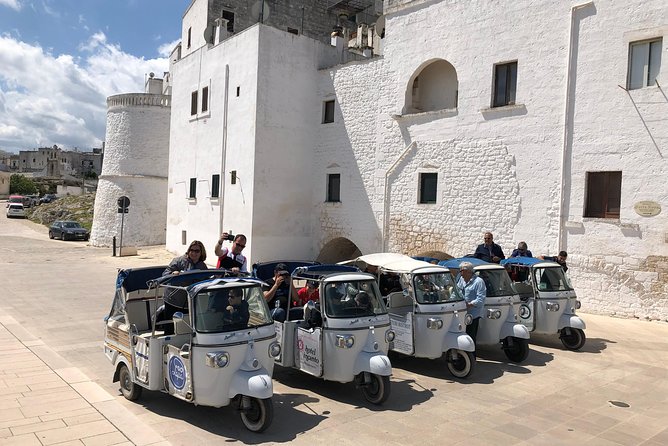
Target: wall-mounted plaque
(647, 208)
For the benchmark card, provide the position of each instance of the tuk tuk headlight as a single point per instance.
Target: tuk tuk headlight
(552, 306)
(344, 341)
(578, 304)
(217, 360)
(434, 323)
(468, 320)
(493, 314)
(389, 336)
(274, 349)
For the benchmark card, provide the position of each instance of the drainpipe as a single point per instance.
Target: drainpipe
(386, 198)
(223, 178)
(566, 149)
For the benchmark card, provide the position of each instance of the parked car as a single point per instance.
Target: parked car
(48, 198)
(15, 210)
(68, 230)
(15, 199)
(34, 199)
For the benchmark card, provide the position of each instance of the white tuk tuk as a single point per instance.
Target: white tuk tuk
(220, 351)
(342, 333)
(548, 300)
(428, 313)
(499, 323)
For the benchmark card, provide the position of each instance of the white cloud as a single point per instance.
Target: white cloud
(14, 4)
(166, 48)
(47, 99)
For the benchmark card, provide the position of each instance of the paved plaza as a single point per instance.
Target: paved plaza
(56, 382)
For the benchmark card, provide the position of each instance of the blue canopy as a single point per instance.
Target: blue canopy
(319, 271)
(265, 270)
(433, 260)
(454, 263)
(523, 261)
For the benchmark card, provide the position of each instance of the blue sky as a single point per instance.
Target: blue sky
(60, 59)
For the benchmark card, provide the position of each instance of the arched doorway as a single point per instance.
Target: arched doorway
(337, 250)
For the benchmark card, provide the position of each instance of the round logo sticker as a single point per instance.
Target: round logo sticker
(300, 345)
(177, 372)
(525, 311)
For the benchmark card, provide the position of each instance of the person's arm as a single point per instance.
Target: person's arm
(173, 267)
(219, 250)
(269, 294)
(244, 266)
(480, 293)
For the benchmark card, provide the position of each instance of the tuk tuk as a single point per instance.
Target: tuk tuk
(428, 313)
(342, 334)
(499, 323)
(548, 300)
(219, 351)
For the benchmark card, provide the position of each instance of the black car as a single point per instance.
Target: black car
(48, 198)
(68, 230)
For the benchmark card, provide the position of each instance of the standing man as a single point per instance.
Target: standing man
(474, 290)
(560, 259)
(489, 251)
(231, 258)
(521, 251)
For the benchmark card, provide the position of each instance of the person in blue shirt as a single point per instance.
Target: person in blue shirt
(489, 251)
(521, 251)
(474, 290)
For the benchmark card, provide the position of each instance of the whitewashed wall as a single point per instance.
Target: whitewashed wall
(135, 165)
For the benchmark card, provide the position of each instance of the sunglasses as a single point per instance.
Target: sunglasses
(240, 245)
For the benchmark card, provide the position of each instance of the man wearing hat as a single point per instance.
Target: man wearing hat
(277, 292)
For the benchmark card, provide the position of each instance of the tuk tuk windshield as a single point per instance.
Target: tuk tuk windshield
(497, 282)
(219, 310)
(436, 288)
(552, 279)
(356, 298)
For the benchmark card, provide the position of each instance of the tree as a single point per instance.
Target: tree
(19, 184)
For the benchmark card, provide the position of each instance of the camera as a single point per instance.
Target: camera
(230, 237)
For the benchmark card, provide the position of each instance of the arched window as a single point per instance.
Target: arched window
(433, 86)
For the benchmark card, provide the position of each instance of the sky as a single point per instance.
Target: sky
(61, 59)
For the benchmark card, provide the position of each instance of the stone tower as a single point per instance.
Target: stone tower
(135, 165)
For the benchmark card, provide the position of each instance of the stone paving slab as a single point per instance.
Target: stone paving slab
(41, 406)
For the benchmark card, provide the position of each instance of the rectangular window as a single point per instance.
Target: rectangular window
(190, 31)
(215, 186)
(193, 103)
(205, 99)
(327, 112)
(428, 183)
(334, 187)
(644, 63)
(604, 192)
(229, 16)
(193, 188)
(505, 84)
(293, 31)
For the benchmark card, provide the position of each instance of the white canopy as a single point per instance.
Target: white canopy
(397, 263)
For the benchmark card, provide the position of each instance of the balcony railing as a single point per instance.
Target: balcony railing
(139, 99)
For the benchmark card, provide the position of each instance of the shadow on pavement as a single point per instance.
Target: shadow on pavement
(592, 345)
(535, 358)
(403, 394)
(225, 422)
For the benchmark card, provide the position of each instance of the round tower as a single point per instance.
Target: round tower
(136, 159)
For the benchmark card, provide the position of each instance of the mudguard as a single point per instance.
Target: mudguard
(571, 320)
(375, 363)
(121, 360)
(459, 341)
(514, 330)
(255, 383)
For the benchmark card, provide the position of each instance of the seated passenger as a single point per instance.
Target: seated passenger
(521, 251)
(308, 293)
(236, 311)
(363, 301)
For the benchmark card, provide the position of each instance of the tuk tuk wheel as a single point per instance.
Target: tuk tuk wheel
(129, 389)
(259, 415)
(460, 363)
(572, 338)
(518, 351)
(378, 390)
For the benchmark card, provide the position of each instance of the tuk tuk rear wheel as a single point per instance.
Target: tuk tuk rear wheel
(259, 415)
(129, 389)
(378, 390)
(572, 338)
(460, 363)
(519, 351)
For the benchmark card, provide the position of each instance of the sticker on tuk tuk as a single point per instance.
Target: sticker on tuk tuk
(310, 355)
(402, 325)
(525, 311)
(177, 372)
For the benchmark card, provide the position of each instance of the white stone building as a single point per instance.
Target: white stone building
(135, 166)
(540, 121)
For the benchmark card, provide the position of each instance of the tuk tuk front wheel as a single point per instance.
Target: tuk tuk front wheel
(572, 338)
(258, 415)
(516, 349)
(460, 363)
(129, 389)
(377, 391)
